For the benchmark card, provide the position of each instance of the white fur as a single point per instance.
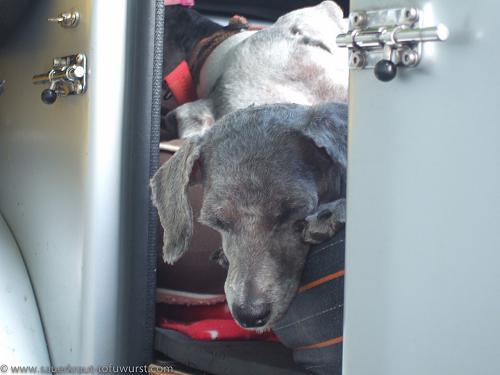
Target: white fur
(296, 60)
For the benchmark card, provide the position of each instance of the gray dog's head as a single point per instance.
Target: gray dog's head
(263, 170)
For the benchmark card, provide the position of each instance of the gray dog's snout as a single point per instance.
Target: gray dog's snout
(252, 315)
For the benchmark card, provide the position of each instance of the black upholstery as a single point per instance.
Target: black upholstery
(11, 12)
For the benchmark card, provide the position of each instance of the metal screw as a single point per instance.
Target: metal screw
(410, 14)
(357, 60)
(409, 57)
(78, 88)
(358, 19)
(60, 62)
(75, 72)
(67, 19)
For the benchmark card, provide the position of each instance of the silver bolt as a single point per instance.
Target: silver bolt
(409, 57)
(78, 87)
(67, 19)
(410, 14)
(79, 72)
(75, 72)
(357, 60)
(358, 19)
(60, 62)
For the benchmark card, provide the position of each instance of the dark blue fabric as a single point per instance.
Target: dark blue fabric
(321, 361)
(316, 314)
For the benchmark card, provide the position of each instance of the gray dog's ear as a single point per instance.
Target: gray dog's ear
(327, 128)
(169, 188)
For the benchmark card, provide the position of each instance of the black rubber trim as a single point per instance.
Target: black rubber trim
(141, 136)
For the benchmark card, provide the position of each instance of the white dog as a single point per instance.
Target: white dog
(295, 60)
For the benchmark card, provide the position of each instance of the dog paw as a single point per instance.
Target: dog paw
(219, 257)
(324, 223)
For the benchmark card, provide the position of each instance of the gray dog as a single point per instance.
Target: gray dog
(274, 181)
(296, 60)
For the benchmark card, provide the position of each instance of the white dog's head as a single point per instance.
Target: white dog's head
(295, 60)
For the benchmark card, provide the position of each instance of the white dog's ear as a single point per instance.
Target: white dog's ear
(169, 188)
(327, 128)
(191, 119)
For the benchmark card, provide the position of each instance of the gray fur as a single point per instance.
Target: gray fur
(296, 60)
(191, 119)
(264, 170)
(169, 188)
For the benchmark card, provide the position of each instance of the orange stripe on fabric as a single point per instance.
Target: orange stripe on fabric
(334, 341)
(323, 280)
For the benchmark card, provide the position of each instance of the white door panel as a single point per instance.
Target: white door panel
(422, 280)
(22, 341)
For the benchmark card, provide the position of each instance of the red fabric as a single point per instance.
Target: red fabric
(185, 3)
(207, 323)
(180, 82)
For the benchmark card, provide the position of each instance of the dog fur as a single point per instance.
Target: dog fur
(266, 173)
(295, 60)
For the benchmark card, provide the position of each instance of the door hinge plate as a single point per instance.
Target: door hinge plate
(67, 76)
(388, 38)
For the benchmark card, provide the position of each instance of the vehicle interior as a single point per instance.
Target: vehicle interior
(255, 356)
(404, 269)
(82, 240)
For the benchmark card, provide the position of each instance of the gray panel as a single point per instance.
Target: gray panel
(422, 280)
(42, 171)
(60, 169)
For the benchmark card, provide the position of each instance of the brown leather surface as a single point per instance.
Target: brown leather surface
(194, 272)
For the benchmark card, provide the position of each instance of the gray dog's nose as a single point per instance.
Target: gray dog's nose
(252, 315)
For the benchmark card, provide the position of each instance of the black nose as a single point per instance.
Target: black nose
(252, 315)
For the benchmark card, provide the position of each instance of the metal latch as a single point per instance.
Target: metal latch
(68, 76)
(387, 38)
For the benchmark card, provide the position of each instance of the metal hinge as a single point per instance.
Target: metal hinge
(387, 38)
(68, 76)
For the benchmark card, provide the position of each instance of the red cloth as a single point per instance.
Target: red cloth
(207, 323)
(184, 3)
(180, 83)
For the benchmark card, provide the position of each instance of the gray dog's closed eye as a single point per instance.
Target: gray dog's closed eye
(263, 170)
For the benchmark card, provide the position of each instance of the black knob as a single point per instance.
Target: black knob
(385, 70)
(49, 96)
